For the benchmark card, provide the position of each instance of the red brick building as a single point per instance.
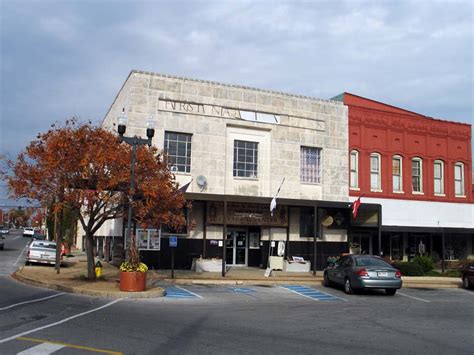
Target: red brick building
(419, 169)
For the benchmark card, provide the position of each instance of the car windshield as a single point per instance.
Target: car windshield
(44, 245)
(366, 261)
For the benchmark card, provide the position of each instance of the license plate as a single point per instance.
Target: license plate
(382, 274)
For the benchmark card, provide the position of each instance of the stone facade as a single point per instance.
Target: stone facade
(211, 113)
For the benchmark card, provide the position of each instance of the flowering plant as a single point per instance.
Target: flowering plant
(128, 267)
(133, 264)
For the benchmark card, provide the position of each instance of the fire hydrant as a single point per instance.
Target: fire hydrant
(98, 269)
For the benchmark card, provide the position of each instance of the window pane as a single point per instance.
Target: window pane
(245, 159)
(178, 148)
(310, 161)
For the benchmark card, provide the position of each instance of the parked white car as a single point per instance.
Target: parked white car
(41, 251)
(28, 232)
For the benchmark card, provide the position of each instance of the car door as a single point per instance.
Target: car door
(341, 269)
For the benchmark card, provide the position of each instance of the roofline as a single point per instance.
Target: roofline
(136, 71)
(116, 97)
(399, 108)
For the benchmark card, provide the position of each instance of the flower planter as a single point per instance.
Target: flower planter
(133, 281)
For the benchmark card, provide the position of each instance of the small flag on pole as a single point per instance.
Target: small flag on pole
(355, 207)
(273, 203)
(183, 188)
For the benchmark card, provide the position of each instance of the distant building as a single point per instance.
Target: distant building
(419, 169)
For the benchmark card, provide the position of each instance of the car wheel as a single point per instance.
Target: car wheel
(465, 283)
(326, 281)
(390, 291)
(348, 287)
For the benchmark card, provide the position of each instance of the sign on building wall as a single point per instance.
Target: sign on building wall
(248, 214)
(149, 239)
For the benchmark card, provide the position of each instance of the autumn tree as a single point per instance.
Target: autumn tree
(85, 169)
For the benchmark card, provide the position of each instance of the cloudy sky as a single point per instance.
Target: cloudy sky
(69, 58)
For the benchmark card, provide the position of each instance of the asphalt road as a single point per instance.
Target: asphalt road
(235, 320)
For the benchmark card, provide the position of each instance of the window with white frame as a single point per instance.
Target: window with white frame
(417, 175)
(354, 169)
(178, 150)
(375, 177)
(397, 181)
(459, 179)
(245, 159)
(310, 165)
(438, 176)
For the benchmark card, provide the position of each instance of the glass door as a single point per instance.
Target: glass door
(360, 244)
(237, 251)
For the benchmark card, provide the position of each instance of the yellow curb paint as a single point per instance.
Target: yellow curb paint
(88, 348)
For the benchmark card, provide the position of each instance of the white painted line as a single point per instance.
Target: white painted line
(415, 298)
(17, 237)
(35, 300)
(42, 349)
(339, 298)
(21, 254)
(59, 322)
(462, 290)
(301, 294)
(195, 294)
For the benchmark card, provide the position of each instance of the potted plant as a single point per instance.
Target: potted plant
(132, 271)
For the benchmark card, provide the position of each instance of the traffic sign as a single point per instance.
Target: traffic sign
(173, 241)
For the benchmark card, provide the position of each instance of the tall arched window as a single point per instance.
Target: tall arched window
(397, 169)
(354, 169)
(417, 175)
(375, 172)
(459, 180)
(438, 176)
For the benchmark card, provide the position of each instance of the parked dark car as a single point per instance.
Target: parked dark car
(2, 242)
(359, 272)
(38, 236)
(468, 276)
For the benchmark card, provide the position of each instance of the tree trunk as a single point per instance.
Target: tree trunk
(90, 256)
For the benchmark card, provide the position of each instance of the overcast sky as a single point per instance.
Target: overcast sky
(69, 58)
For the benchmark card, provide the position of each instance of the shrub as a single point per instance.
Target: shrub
(433, 273)
(425, 262)
(453, 273)
(409, 269)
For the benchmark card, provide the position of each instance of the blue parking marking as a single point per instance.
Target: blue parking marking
(179, 292)
(242, 289)
(312, 293)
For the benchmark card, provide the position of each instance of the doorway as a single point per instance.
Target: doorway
(236, 247)
(360, 243)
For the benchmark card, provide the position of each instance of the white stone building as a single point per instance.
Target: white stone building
(237, 145)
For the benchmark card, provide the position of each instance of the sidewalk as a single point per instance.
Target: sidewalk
(72, 279)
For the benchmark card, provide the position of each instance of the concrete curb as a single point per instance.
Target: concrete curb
(155, 292)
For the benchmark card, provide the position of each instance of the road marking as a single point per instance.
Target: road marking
(59, 322)
(462, 290)
(242, 289)
(195, 294)
(415, 298)
(86, 348)
(35, 300)
(21, 254)
(42, 349)
(312, 293)
(16, 237)
(179, 292)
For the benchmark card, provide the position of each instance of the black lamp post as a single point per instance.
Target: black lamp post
(134, 142)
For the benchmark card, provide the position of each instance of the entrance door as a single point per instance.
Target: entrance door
(237, 251)
(361, 244)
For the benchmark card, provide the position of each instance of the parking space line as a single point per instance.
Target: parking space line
(31, 301)
(180, 292)
(60, 343)
(43, 349)
(312, 293)
(415, 298)
(4, 340)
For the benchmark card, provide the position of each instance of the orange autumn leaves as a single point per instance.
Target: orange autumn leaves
(86, 168)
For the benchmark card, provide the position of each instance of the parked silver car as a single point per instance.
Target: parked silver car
(358, 272)
(41, 251)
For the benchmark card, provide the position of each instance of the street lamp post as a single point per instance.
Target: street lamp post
(134, 141)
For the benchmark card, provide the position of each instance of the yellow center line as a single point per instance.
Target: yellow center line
(86, 348)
